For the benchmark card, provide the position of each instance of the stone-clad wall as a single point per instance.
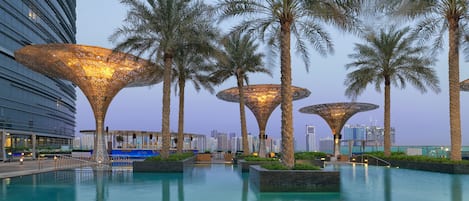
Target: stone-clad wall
(294, 180)
(162, 166)
(433, 167)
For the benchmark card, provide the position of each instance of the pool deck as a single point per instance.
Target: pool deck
(15, 168)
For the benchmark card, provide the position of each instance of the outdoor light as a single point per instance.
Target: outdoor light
(100, 73)
(336, 114)
(261, 99)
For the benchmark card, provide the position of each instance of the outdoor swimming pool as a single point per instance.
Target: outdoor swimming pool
(220, 182)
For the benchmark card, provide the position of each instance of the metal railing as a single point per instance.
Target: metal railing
(376, 158)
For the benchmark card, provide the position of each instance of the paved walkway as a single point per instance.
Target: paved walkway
(15, 168)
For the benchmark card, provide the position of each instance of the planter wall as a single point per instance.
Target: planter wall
(294, 180)
(433, 167)
(316, 162)
(204, 157)
(162, 166)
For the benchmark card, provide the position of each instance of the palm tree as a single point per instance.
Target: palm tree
(275, 21)
(390, 57)
(190, 65)
(434, 19)
(159, 28)
(238, 59)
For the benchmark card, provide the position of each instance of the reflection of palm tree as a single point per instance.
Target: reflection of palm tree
(244, 195)
(387, 184)
(159, 28)
(456, 189)
(437, 17)
(277, 20)
(389, 57)
(238, 59)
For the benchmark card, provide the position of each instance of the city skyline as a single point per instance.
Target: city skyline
(419, 119)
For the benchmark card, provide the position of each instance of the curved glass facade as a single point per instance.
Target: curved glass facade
(36, 112)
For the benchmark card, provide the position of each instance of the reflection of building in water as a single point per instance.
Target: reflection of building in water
(148, 140)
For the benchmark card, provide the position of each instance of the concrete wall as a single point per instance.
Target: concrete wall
(294, 180)
(162, 166)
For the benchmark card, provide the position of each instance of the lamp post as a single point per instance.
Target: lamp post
(261, 99)
(100, 73)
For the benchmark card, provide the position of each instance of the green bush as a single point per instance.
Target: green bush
(305, 167)
(256, 158)
(172, 157)
(403, 157)
(309, 155)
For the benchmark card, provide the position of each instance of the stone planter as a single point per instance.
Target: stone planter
(204, 157)
(433, 167)
(228, 157)
(162, 166)
(316, 162)
(294, 180)
(244, 165)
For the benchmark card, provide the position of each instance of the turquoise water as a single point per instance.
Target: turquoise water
(225, 182)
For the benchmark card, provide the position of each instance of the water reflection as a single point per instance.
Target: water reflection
(101, 178)
(456, 188)
(387, 184)
(220, 182)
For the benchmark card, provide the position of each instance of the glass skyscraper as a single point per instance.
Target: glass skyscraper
(36, 112)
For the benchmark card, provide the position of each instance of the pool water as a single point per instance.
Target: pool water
(218, 182)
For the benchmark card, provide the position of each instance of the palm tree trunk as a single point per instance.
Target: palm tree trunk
(166, 106)
(387, 117)
(453, 73)
(242, 114)
(288, 157)
(180, 143)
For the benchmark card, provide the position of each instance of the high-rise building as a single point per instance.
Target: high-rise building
(375, 136)
(222, 140)
(311, 144)
(326, 145)
(370, 135)
(354, 133)
(36, 111)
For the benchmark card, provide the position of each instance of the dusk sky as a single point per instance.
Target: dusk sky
(419, 119)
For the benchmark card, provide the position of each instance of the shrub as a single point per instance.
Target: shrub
(172, 157)
(403, 157)
(309, 155)
(305, 167)
(256, 158)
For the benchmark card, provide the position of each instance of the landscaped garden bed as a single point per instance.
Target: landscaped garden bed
(246, 162)
(175, 163)
(310, 158)
(294, 180)
(424, 163)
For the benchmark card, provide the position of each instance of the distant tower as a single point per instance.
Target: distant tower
(326, 145)
(311, 138)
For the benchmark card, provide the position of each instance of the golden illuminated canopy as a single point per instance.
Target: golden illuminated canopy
(261, 99)
(100, 73)
(336, 114)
